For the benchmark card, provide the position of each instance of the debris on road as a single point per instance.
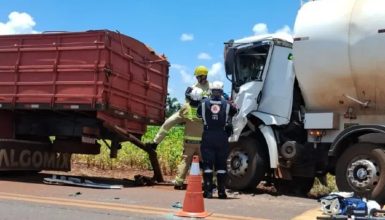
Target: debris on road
(143, 180)
(76, 194)
(64, 180)
(177, 205)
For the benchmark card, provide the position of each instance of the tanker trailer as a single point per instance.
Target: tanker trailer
(62, 92)
(313, 104)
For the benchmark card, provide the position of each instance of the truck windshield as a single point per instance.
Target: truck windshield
(250, 64)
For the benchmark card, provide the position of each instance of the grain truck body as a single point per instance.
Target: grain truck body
(76, 87)
(312, 104)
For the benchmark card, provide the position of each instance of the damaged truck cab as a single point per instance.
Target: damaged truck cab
(313, 104)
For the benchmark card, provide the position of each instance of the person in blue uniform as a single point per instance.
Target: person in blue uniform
(216, 113)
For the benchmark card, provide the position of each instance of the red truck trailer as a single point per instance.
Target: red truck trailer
(77, 87)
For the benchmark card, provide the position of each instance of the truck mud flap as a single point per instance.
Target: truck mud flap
(31, 155)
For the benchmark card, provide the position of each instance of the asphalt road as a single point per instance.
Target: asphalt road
(26, 197)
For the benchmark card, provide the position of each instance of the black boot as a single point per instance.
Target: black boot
(207, 186)
(221, 180)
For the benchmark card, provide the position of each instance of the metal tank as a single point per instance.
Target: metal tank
(339, 55)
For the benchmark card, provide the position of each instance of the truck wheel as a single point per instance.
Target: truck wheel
(246, 164)
(361, 169)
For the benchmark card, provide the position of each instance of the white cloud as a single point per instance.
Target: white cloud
(18, 23)
(187, 77)
(170, 90)
(177, 66)
(285, 29)
(216, 69)
(260, 29)
(186, 37)
(204, 56)
(285, 32)
(216, 72)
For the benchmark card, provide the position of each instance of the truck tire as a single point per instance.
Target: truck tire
(361, 169)
(246, 164)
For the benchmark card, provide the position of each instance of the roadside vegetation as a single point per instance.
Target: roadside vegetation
(320, 190)
(169, 154)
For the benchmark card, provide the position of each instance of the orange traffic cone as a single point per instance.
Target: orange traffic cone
(193, 205)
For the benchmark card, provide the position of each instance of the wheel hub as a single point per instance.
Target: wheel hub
(237, 163)
(363, 174)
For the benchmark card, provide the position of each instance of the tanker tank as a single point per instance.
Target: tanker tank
(343, 65)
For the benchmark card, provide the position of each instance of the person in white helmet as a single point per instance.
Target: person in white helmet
(216, 113)
(192, 134)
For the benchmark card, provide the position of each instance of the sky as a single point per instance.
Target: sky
(188, 32)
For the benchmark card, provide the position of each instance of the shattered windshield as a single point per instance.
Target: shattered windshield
(250, 64)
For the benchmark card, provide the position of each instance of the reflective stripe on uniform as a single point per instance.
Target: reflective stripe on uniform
(221, 171)
(204, 113)
(215, 102)
(192, 138)
(227, 112)
(208, 171)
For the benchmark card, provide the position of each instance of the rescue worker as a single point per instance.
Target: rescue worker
(192, 134)
(216, 114)
(202, 82)
(193, 129)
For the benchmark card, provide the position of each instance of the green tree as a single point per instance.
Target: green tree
(172, 105)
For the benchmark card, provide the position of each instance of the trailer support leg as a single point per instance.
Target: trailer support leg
(152, 155)
(158, 177)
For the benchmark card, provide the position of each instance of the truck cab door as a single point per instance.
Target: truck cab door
(276, 105)
(246, 65)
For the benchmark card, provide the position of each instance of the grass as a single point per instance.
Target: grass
(320, 190)
(169, 153)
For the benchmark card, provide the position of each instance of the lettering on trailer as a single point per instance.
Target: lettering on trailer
(16, 159)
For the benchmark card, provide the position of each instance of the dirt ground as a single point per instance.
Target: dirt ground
(79, 169)
(131, 175)
(128, 174)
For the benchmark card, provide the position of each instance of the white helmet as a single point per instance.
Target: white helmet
(196, 94)
(216, 85)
